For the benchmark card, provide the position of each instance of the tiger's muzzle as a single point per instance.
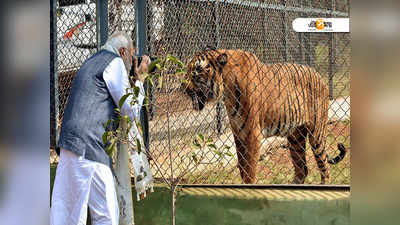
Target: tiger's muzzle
(198, 99)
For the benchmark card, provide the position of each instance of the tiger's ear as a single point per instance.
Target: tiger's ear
(222, 59)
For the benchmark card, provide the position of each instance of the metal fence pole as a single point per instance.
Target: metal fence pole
(265, 39)
(141, 27)
(217, 40)
(301, 45)
(332, 58)
(307, 38)
(101, 22)
(53, 75)
(285, 32)
(301, 37)
(307, 46)
(141, 48)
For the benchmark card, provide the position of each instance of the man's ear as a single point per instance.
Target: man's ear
(222, 59)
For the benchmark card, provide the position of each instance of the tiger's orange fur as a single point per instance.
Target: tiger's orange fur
(288, 100)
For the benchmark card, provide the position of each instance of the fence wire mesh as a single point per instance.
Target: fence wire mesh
(76, 41)
(184, 28)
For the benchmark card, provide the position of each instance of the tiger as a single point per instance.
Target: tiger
(265, 100)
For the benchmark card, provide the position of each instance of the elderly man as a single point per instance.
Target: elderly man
(84, 178)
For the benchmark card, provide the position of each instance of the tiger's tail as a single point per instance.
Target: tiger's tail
(341, 155)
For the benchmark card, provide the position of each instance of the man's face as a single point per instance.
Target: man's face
(126, 55)
(131, 54)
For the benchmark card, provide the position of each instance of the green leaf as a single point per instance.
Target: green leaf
(219, 153)
(196, 144)
(117, 111)
(147, 77)
(147, 107)
(201, 136)
(129, 128)
(153, 64)
(123, 99)
(212, 146)
(136, 91)
(110, 148)
(228, 154)
(160, 82)
(194, 157)
(107, 123)
(162, 64)
(175, 60)
(138, 145)
(179, 72)
(139, 126)
(151, 81)
(159, 67)
(227, 147)
(105, 137)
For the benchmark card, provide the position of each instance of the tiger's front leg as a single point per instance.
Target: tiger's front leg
(248, 151)
(241, 152)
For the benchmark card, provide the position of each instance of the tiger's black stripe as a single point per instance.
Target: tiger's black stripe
(237, 96)
(244, 123)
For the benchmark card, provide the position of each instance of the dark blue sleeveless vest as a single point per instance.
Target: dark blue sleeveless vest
(89, 107)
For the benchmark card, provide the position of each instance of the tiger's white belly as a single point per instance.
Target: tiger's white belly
(274, 138)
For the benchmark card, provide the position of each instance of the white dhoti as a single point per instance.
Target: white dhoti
(79, 184)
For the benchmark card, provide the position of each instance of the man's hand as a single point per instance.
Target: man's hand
(143, 67)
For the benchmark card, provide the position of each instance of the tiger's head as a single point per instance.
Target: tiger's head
(204, 80)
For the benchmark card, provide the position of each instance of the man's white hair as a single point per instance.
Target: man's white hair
(117, 41)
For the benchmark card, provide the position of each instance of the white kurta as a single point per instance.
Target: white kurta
(79, 182)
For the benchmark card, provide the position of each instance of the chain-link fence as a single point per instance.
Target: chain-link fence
(76, 39)
(183, 28)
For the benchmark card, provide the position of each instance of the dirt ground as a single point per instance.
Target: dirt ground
(275, 166)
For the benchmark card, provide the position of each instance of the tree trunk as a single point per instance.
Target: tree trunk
(124, 188)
